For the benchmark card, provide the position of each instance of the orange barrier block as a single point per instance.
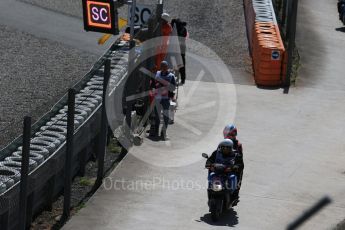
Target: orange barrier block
(265, 43)
(268, 52)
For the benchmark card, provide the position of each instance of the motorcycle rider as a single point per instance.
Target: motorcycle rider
(230, 132)
(225, 155)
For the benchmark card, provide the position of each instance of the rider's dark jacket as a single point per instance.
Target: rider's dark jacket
(238, 160)
(237, 146)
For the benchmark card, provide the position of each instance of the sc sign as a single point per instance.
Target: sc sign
(99, 16)
(142, 14)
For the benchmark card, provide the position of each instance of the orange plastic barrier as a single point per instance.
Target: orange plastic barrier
(265, 44)
(268, 54)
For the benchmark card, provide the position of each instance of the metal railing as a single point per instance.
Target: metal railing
(47, 149)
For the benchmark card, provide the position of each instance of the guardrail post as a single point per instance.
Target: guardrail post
(51, 188)
(69, 152)
(29, 211)
(104, 128)
(4, 221)
(24, 173)
(82, 161)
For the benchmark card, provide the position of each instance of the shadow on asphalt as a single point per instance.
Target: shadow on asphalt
(269, 87)
(154, 138)
(228, 218)
(340, 29)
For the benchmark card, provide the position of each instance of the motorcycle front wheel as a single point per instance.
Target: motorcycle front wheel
(215, 215)
(215, 209)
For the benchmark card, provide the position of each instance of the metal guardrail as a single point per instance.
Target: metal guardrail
(48, 143)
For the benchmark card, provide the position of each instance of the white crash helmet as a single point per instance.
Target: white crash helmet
(226, 143)
(165, 17)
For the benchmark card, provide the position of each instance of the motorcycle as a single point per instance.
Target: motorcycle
(219, 190)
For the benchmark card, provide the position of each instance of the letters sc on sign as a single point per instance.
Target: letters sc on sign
(100, 16)
(142, 14)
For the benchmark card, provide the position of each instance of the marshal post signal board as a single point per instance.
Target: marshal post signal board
(99, 16)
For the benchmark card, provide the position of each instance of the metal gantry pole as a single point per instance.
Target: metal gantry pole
(284, 11)
(69, 153)
(104, 127)
(159, 9)
(291, 33)
(24, 173)
(130, 83)
(133, 5)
